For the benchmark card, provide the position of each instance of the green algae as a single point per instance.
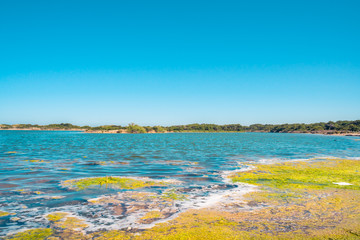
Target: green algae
(332, 217)
(110, 235)
(153, 215)
(327, 214)
(54, 217)
(71, 223)
(312, 175)
(173, 195)
(305, 210)
(33, 234)
(27, 191)
(110, 182)
(64, 220)
(298, 207)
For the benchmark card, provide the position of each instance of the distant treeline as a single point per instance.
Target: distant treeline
(322, 127)
(61, 126)
(339, 126)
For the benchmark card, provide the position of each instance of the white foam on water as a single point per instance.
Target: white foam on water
(104, 218)
(195, 200)
(342, 183)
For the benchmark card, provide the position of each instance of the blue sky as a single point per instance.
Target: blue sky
(179, 62)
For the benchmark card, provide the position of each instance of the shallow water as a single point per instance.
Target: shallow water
(34, 163)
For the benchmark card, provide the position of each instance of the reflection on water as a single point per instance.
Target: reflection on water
(35, 163)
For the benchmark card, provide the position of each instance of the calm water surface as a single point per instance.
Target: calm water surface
(30, 188)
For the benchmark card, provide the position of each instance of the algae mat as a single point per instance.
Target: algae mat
(296, 200)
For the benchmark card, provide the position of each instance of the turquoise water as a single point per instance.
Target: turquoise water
(31, 189)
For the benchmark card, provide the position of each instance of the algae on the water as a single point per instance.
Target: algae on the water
(111, 182)
(65, 220)
(32, 234)
(153, 214)
(313, 175)
(173, 195)
(299, 200)
(57, 216)
(3, 214)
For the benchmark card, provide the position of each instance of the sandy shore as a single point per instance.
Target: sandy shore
(328, 133)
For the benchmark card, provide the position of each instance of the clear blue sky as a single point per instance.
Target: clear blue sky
(179, 62)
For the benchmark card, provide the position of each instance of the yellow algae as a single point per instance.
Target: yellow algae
(111, 182)
(27, 191)
(194, 225)
(318, 174)
(64, 220)
(172, 195)
(32, 234)
(297, 201)
(22, 191)
(3, 214)
(301, 211)
(330, 217)
(11, 152)
(111, 235)
(36, 161)
(153, 215)
(57, 216)
(71, 223)
(69, 234)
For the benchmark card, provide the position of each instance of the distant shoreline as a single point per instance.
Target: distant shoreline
(338, 128)
(123, 131)
(31, 129)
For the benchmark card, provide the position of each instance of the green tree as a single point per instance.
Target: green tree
(133, 128)
(159, 129)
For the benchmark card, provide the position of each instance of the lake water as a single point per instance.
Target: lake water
(34, 164)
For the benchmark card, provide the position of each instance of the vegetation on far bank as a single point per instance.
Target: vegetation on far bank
(322, 127)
